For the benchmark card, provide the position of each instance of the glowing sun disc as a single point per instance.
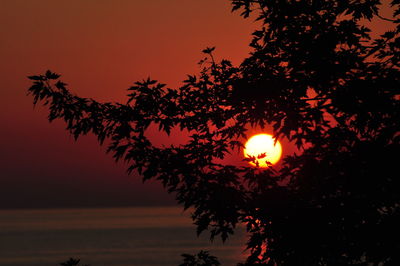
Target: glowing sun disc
(263, 144)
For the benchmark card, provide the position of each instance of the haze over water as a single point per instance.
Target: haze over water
(107, 237)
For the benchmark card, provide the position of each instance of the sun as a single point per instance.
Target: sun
(260, 145)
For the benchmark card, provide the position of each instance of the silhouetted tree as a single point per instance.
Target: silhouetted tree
(201, 259)
(322, 80)
(72, 262)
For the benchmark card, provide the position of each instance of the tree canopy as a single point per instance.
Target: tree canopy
(321, 78)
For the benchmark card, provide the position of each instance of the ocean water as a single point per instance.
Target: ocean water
(107, 237)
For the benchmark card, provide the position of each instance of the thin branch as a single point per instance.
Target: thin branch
(383, 18)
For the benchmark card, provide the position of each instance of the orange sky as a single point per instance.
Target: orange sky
(100, 47)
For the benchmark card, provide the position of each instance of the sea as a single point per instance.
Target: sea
(108, 237)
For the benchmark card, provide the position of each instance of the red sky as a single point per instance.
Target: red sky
(100, 47)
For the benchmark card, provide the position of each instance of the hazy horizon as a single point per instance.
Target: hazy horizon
(107, 237)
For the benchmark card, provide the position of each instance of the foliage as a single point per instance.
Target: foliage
(201, 259)
(72, 262)
(320, 79)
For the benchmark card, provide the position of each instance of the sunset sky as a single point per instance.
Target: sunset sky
(100, 48)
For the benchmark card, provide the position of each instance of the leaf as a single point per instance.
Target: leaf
(208, 50)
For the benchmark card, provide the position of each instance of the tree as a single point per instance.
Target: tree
(201, 259)
(321, 81)
(72, 262)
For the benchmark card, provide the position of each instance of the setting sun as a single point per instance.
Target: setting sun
(261, 144)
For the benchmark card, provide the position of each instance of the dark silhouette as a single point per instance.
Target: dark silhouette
(201, 259)
(321, 81)
(72, 262)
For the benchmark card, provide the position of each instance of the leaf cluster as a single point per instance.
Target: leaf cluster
(72, 262)
(203, 258)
